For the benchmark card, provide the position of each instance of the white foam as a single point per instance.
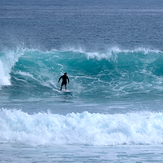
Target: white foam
(110, 53)
(80, 128)
(7, 61)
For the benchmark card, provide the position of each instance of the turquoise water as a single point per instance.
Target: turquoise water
(112, 52)
(114, 74)
(115, 105)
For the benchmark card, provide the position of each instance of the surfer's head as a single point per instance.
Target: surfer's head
(65, 73)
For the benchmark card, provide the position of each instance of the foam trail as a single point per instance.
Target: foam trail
(81, 128)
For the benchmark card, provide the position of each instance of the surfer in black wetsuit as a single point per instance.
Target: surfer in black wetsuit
(64, 80)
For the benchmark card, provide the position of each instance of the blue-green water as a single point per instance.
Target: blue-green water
(112, 52)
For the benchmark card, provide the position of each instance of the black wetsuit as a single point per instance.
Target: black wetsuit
(64, 79)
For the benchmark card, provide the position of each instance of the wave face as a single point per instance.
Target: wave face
(115, 73)
(80, 128)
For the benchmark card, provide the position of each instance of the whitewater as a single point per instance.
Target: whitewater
(112, 52)
(113, 102)
(81, 128)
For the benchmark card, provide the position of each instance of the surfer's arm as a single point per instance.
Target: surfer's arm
(59, 79)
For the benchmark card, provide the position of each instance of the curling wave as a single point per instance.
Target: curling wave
(115, 72)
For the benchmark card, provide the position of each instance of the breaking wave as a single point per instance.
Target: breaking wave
(113, 73)
(80, 128)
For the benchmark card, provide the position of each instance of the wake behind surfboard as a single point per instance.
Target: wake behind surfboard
(66, 91)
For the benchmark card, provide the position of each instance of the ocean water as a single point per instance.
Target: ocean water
(112, 52)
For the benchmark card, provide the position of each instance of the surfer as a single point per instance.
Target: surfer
(64, 80)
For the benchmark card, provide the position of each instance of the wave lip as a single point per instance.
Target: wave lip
(80, 128)
(8, 59)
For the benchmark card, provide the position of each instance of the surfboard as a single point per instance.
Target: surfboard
(65, 91)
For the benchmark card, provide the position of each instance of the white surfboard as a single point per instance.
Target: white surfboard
(65, 91)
